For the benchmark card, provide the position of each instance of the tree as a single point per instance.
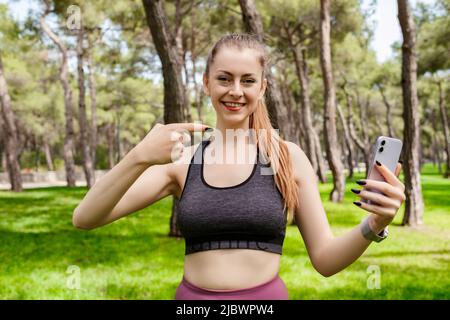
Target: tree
(295, 34)
(10, 130)
(93, 95)
(433, 47)
(362, 142)
(174, 92)
(445, 124)
(88, 166)
(8, 33)
(331, 143)
(414, 202)
(68, 101)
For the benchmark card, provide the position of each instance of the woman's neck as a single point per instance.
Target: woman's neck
(234, 147)
(230, 133)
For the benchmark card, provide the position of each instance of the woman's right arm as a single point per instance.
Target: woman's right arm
(141, 178)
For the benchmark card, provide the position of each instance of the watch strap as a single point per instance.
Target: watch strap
(369, 234)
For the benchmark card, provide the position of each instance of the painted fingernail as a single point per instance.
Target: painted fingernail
(361, 182)
(378, 163)
(357, 203)
(356, 191)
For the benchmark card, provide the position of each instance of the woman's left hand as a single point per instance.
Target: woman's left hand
(387, 204)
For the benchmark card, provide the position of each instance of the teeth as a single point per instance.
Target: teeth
(234, 105)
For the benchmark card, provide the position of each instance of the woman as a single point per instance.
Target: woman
(233, 216)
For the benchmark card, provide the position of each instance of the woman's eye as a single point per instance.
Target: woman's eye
(247, 81)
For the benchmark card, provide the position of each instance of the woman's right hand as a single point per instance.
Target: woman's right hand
(165, 143)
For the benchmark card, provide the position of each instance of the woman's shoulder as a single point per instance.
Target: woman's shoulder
(300, 162)
(294, 149)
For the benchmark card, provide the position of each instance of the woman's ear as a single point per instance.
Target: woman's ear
(205, 84)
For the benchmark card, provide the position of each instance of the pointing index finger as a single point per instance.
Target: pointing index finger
(192, 127)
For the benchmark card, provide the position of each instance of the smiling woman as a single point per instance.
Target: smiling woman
(231, 85)
(250, 209)
(233, 216)
(221, 224)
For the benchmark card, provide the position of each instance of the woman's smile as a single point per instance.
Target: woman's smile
(233, 106)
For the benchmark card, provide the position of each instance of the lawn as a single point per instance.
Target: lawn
(42, 256)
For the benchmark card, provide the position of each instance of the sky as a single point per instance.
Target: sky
(386, 33)
(387, 29)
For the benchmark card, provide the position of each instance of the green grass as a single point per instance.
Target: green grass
(134, 259)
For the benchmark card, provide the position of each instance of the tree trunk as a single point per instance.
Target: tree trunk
(68, 104)
(93, 95)
(444, 119)
(37, 153)
(284, 114)
(174, 92)
(2, 167)
(253, 24)
(435, 142)
(110, 138)
(117, 132)
(414, 202)
(84, 127)
(197, 88)
(363, 143)
(48, 156)
(10, 130)
(321, 172)
(292, 113)
(195, 52)
(348, 141)
(379, 126)
(301, 69)
(388, 111)
(174, 98)
(330, 132)
(362, 108)
(3, 163)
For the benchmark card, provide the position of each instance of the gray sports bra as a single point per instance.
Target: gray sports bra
(245, 216)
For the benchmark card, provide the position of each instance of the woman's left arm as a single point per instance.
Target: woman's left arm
(330, 254)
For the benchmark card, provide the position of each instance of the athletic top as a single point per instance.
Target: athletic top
(245, 216)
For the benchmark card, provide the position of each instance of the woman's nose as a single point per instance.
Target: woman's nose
(236, 90)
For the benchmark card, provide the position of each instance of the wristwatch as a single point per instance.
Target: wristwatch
(369, 234)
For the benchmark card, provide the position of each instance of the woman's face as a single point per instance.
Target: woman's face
(235, 77)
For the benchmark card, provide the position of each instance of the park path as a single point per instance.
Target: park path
(32, 185)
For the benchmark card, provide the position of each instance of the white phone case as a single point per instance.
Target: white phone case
(387, 151)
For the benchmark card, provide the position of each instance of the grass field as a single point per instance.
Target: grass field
(41, 253)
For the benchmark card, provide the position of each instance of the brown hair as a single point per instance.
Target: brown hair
(271, 145)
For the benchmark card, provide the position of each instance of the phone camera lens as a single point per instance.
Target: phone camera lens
(381, 149)
(383, 142)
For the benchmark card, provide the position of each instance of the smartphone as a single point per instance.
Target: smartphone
(387, 151)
